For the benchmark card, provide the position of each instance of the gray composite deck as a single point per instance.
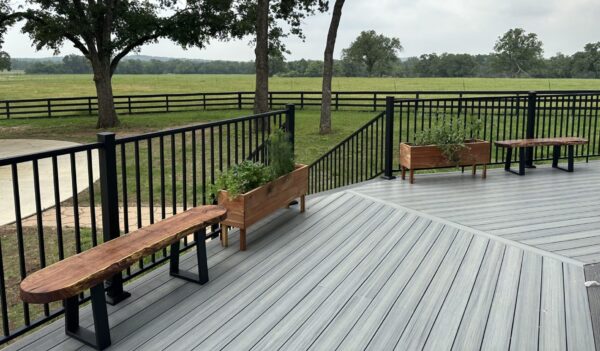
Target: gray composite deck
(380, 266)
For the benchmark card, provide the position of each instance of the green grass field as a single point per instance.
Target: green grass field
(19, 86)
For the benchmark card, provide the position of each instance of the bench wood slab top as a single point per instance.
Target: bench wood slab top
(541, 142)
(77, 273)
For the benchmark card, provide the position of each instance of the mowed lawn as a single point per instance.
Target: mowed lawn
(21, 86)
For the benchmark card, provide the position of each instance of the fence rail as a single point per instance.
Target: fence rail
(84, 195)
(166, 103)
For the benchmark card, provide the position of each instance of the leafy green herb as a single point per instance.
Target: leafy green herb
(280, 154)
(449, 134)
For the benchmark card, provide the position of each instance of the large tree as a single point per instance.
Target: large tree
(105, 31)
(4, 61)
(325, 125)
(269, 21)
(586, 63)
(518, 52)
(5, 21)
(375, 51)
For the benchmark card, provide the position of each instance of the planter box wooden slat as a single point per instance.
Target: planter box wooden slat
(250, 207)
(477, 152)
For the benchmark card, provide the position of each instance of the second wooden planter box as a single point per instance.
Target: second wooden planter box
(477, 152)
(249, 208)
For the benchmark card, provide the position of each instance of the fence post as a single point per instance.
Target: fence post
(337, 101)
(239, 101)
(302, 100)
(90, 105)
(129, 104)
(49, 108)
(7, 110)
(290, 122)
(531, 110)
(167, 102)
(389, 138)
(107, 157)
(270, 100)
(374, 102)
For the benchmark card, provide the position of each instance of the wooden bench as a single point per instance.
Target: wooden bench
(522, 144)
(66, 279)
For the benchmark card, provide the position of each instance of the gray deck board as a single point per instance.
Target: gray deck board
(383, 266)
(555, 211)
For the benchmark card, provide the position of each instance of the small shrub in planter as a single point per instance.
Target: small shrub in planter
(251, 191)
(447, 143)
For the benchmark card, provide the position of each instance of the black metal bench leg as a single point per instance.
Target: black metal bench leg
(508, 159)
(202, 276)
(571, 154)
(555, 155)
(100, 338)
(522, 160)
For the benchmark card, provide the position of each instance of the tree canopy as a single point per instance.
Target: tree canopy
(376, 52)
(518, 52)
(106, 31)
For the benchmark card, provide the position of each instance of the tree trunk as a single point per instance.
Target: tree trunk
(261, 96)
(107, 116)
(325, 125)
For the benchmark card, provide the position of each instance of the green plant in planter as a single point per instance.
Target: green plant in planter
(280, 153)
(449, 134)
(249, 175)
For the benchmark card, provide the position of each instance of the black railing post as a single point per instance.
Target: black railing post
(290, 122)
(107, 157)
(389, 138)
(530, 132)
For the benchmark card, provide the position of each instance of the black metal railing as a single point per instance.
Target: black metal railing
(165, 103)
(357, 158)
(68, 200)
(502, 117)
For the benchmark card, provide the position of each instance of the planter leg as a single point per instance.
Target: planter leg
(224, 235)
(474, 169)
(403, 173)
(242, 239)
(484, 175)
(412, 176)
(302, 203)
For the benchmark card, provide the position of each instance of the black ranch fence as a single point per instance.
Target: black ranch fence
(69, 200)
(373, 149)
(165, 103)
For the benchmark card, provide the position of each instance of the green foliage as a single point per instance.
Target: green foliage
(5, 63)
(375, 51)
(518, 52)
(242, 178)
(449, 134)
(281, 154)
(249, 175)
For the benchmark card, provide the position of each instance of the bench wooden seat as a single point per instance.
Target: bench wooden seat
(66, 279)
(557, 143)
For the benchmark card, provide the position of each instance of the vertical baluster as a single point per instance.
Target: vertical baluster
(3, 302)
(163, 195)
(228, 131)
(173, 176)
(151, 191)
(20, 242)
(203, 166)
(194, 168)
(40, 222)
(91, 193)
(220, 148)
(184, 171)
(57, 209)
(138, 192)
(124, 189)
(235, 131)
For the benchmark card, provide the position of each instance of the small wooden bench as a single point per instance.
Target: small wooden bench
(522, 144)
(66, 279)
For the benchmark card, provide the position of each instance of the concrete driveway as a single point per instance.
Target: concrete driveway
(14, 147)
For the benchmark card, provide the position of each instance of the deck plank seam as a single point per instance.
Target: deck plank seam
(477, 231)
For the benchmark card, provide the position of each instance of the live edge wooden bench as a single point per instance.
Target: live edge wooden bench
(66, 279)
(522, 144)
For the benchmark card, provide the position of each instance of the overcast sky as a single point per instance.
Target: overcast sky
(423, 26)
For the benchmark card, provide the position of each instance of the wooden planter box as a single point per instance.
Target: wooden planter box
(249, 208)
(477, 152)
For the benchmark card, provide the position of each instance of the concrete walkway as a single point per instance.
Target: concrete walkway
(14, 147)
